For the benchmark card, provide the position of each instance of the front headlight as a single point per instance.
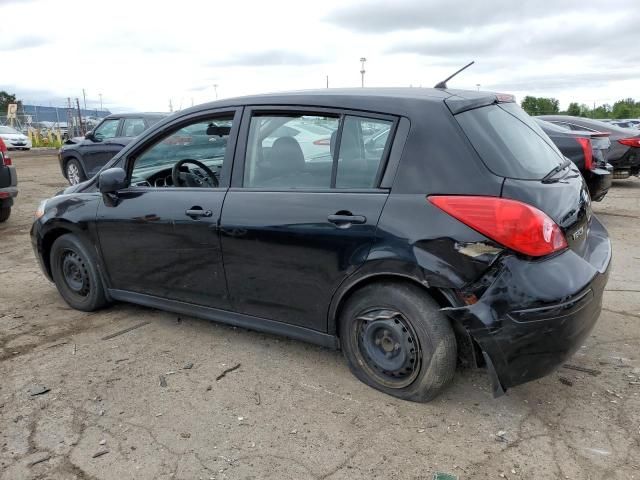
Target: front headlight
(40, 209)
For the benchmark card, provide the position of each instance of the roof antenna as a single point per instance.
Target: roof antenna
(443, 84)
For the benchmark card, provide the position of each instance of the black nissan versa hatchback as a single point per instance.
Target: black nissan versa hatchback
(462, 236)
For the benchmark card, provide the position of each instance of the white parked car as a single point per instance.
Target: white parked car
(14, 139)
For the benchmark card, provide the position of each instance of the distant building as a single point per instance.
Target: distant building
(40, 113)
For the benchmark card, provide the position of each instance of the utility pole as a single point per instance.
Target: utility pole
(362, 71)
(84, 98)
(100, 101)
(327, 81)
(170, 106)
(82, 132)
(215, 88)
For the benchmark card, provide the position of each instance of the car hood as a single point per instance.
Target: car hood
(13, 136)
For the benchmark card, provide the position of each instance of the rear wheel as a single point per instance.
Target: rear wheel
(76, 275)
(5, 212)
(74, 172)
(396, 340)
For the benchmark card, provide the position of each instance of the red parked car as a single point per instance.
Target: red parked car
(8, 183)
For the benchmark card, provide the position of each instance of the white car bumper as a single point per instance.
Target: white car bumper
(17, 143)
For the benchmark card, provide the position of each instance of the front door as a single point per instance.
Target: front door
(160, 237)
(97, 151)
(302, 212)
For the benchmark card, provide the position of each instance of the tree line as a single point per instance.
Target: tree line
(625, 108)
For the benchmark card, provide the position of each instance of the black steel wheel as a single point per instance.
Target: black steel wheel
(5, 213)
(396, 340)
(75, 273)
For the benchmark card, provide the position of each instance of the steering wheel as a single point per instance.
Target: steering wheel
(193, 178)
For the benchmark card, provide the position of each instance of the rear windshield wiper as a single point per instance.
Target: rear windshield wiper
(548, 178)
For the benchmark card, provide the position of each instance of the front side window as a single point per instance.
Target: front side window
(107, 129)
(290, 151)
(189, 157)
(132, 127)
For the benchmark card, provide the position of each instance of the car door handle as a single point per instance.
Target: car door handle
(198, 212)
(345, 220)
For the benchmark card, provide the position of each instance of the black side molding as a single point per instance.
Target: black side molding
(231, 318)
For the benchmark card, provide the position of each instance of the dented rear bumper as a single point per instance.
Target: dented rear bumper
(536, 313)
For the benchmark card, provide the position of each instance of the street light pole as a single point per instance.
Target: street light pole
(100, 102)
(362, 71)
(215, 87)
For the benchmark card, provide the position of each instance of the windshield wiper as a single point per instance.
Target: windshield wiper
(548, 178)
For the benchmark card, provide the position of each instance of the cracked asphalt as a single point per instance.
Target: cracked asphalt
(290, 410)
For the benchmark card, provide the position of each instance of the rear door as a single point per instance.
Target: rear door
(299, 218)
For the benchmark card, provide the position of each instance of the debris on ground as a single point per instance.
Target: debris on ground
(256, 397)
(102, 442)
(41, 457)
(188, 366)
(501, 436)
(209, 388)
(163, 381)
(100, 453)
(577, 368)
(126, 330)
(228, 370)
(185, 435)
(444, 476)
(565, 381)
(38, 390)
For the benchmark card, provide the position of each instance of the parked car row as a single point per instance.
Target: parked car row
(418, 229)
(624, 154)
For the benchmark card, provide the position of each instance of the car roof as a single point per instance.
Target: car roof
(137, 115)
(392, 100)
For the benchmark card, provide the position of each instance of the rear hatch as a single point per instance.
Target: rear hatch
(513, 146)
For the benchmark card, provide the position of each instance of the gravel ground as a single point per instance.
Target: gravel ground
(290, 410)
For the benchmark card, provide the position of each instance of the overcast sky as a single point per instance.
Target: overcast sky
(140, 54)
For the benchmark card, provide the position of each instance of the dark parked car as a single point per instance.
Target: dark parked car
(468, 236)
(588, 150)
(8, 183)
(82, 158)
(624, 154)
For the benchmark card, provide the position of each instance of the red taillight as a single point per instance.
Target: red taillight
(323, 141)
(630, 142)
(514, 224)
(4, 159)
(585, 143)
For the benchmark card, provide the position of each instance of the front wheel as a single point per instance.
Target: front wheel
(5, 213)
(76, 275)
(396, 340)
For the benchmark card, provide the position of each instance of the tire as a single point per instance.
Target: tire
(5, 213)
(75, 274)
(397, 341)
(73, 171)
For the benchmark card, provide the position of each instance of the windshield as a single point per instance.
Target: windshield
(510, 142)
(8, 130)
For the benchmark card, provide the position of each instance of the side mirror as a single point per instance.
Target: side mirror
(112, 180)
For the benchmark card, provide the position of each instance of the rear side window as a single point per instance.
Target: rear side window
(132, 127)
(296, 151)
(362, 146)
(509, 142)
